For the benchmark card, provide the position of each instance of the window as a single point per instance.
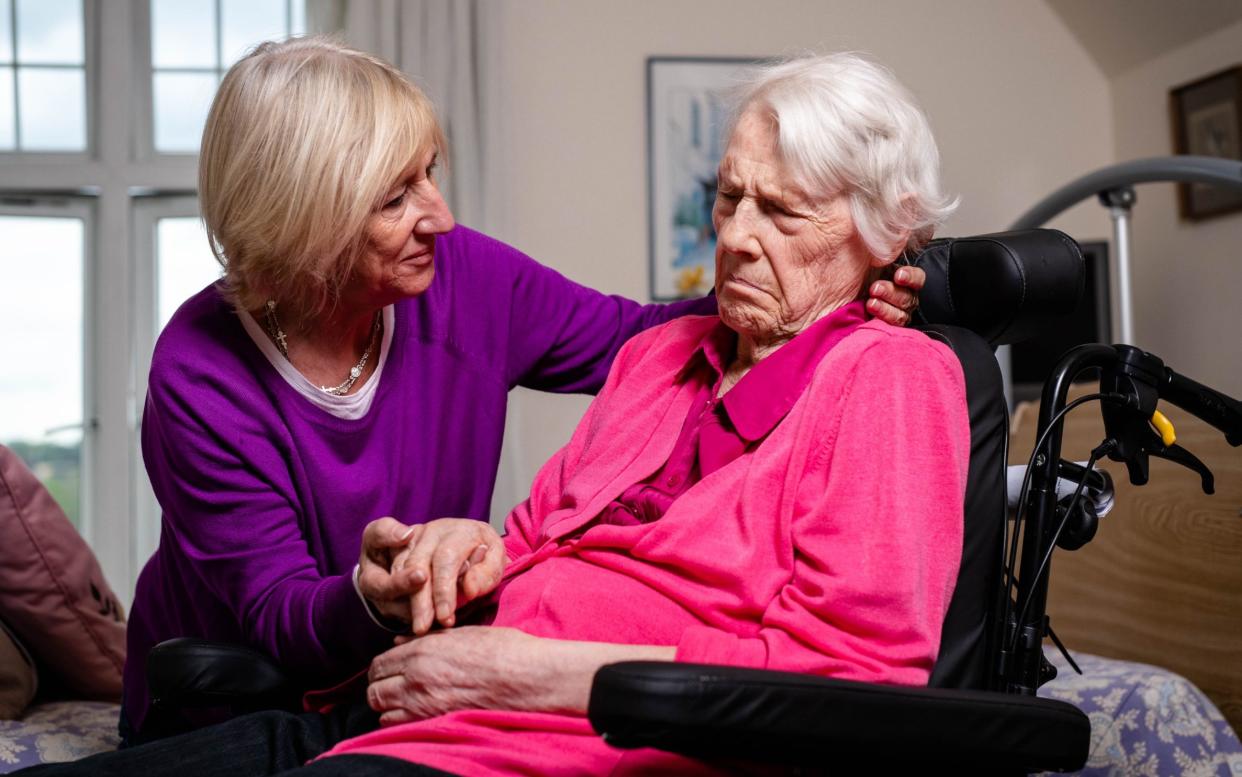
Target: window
(42, 76)
(192, 43)
(42, 354)
(99, 233)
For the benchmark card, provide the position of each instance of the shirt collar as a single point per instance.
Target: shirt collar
(715, 351)
(768, 392)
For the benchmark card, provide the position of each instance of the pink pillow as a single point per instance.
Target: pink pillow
(52, 591)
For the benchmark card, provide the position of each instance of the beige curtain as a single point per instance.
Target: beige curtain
(440, 47)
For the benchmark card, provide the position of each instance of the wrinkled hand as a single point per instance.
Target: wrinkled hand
(895, 303)
(453, 560)
(471, 667)
(382, 541)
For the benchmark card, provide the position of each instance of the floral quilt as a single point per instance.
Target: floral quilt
(57, 731)
(1146, 721)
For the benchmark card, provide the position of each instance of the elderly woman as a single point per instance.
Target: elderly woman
(329, 380)
(744, 490)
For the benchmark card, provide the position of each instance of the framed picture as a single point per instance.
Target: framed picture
(1207, 121)
(687, 106)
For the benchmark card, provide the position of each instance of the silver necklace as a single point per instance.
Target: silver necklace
(282, 344)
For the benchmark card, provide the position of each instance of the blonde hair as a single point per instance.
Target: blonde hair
(304, 139)
(845, 124)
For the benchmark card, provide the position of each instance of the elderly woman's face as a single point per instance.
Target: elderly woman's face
(784, 259)
(399, 258)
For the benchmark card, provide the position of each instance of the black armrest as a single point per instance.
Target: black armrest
(729, 713)
(195, 673)
(1005, 287)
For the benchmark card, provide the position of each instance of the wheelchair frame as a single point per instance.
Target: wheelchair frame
(1132, 382)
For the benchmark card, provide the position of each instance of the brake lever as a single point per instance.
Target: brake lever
(1138, 442)
(1135, 440)
(1179, 455)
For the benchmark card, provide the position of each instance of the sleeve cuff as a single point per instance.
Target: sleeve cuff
(387, 624)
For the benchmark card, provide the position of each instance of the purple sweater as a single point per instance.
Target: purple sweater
(265, 496)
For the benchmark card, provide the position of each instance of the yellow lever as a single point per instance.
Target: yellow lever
(1164, 427)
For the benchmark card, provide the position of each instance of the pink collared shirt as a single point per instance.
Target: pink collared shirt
(718, 429)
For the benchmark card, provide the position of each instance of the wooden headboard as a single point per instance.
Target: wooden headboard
(1161, 583)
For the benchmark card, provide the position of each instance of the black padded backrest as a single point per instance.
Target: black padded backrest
(1005, 287)
(981, 292)
(967, 635)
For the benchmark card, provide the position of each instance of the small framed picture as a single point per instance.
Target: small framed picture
(687, 107)
(1207, 121)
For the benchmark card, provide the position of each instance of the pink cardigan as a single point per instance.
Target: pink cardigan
(832, 547)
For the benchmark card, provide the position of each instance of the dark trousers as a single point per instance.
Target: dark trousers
(264, 743)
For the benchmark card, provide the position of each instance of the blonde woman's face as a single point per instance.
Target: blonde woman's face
(399, 258)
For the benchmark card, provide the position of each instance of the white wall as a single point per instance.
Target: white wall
(1187, 276)
(1016, 104)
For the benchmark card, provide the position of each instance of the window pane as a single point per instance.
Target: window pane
(183, 33)
(184, 262)
(52, 109)
(49, 32)
(7, 127)
(247, 22)
(181, 104)
(6, 31)
(41, 356)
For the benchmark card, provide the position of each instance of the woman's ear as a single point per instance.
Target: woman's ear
(902, 238)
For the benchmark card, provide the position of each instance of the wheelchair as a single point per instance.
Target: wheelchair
(979, 713)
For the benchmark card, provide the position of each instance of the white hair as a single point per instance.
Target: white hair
(846, 125)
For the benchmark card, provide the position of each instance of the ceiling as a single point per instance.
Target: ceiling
(1120, 34)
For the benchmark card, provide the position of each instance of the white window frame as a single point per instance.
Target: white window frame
(126, 186)
(90, 54)
(144, 98)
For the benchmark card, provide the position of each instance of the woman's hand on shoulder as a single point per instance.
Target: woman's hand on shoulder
(894, 302)
(451, 561)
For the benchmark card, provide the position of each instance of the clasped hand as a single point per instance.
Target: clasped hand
(421, 574)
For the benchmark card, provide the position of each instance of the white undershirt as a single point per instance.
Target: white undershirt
(349, 407)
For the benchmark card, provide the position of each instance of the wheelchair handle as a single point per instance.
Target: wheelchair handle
(1206, 404)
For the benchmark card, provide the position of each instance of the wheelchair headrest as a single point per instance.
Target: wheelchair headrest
(1005, 287)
